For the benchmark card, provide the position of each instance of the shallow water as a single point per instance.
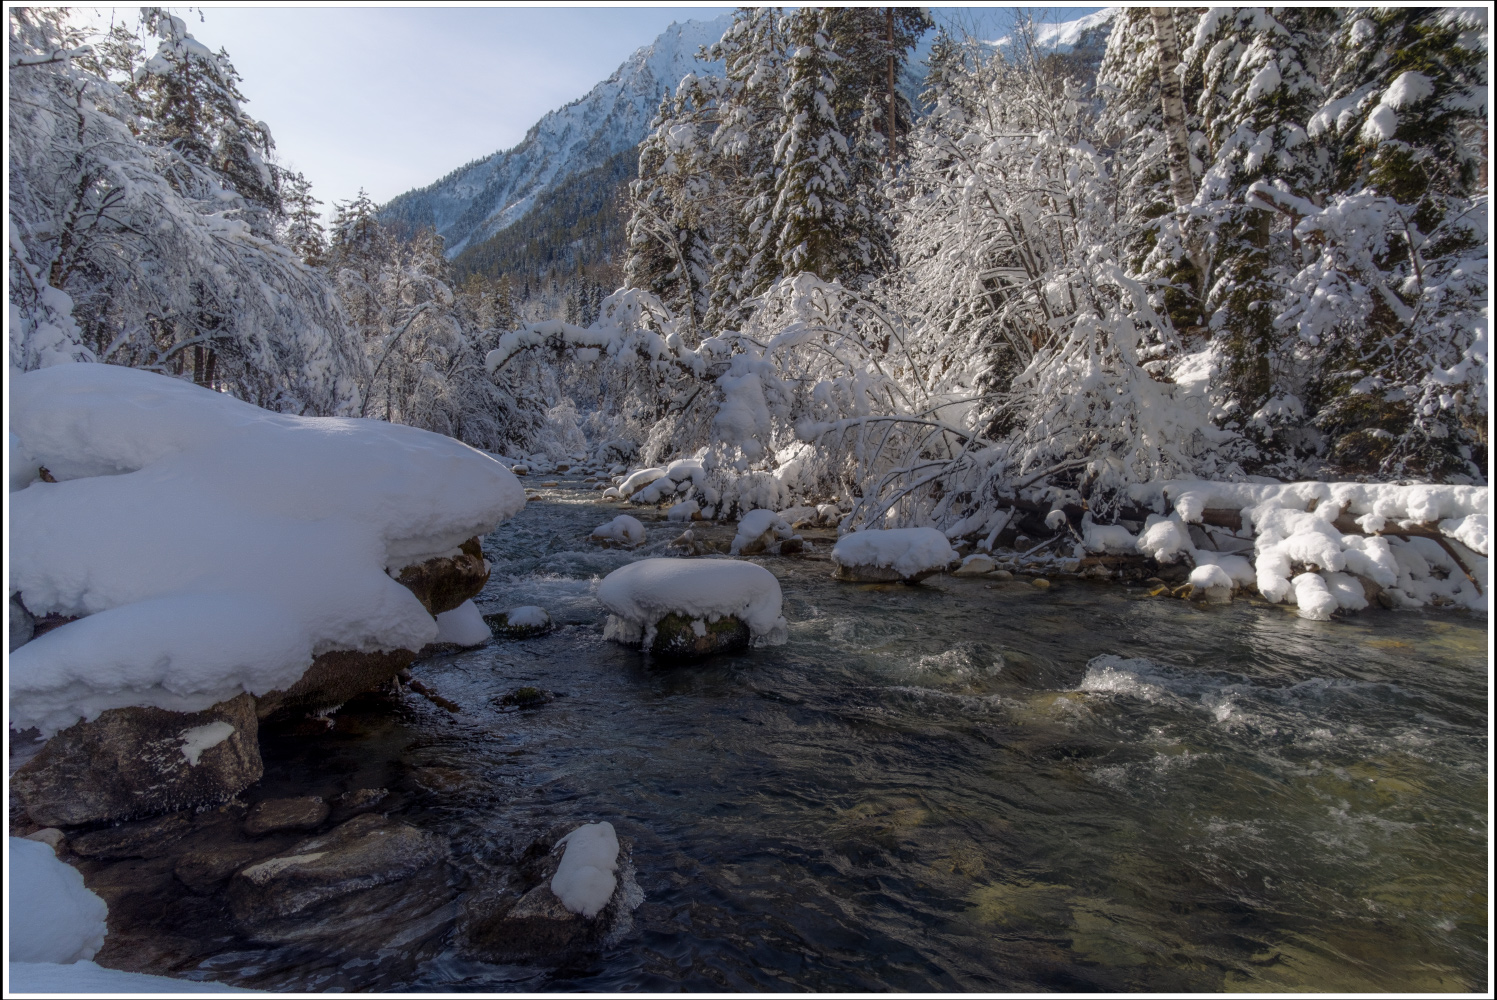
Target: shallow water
(941, 787)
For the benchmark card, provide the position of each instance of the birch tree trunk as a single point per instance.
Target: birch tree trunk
(1172, 102)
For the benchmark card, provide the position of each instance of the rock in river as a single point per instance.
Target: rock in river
(133, 762)
(500, 926)
(303, 813)
(447, 581)
(327, 885)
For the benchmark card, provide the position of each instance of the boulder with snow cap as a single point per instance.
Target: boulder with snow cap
(132, 762)
(577, 899)
(686, 510)
(891, 555)
(623, 532)
(1211, 582)
(976, 564)
(638, 480)
(692, 607)
(519, 623)
(758, 531)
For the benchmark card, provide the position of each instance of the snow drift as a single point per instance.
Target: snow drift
(213, 547)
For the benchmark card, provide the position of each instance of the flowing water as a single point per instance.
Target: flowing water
(966, 786)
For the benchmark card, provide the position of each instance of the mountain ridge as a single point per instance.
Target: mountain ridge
(477, 200)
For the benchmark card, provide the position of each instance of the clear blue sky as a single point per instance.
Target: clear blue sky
(391, 98)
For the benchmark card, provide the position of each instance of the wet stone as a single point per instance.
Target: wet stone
(359, 800)
(135, 762)
(286, 814)
(445, 582)
(526, 697)
(519, 623)
(856, 573)
(204, 871)
(149, 839)
(300, 893)
(680, 637)
(501, 926)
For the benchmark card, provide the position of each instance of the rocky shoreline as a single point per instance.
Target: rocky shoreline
(177, 822)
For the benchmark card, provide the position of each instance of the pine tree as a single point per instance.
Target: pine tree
(1260, 72)
(754, 53)
(815, 224)
(191, 99)
(302, 230)
(1393, 294)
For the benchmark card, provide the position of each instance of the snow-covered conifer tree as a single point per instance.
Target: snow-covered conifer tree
(816, 223)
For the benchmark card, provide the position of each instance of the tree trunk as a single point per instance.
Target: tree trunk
(892, 122)
(1172, 101)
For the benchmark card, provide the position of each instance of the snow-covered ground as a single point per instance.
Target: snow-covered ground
(213, 547)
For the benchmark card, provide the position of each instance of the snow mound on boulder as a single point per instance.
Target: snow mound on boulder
(622, 530)
(215, 547)
(529, 616)
(640, 594)
(754, 526)
(907, 551)
(585, 880)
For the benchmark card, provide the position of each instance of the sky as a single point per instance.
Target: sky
(393, 98)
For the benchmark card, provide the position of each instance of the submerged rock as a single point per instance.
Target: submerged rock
(445, 582)
(132, 762)
(527, 697)
(204, 871)
(322, 886)
(359, 800)
(519, 623)
(304, 813)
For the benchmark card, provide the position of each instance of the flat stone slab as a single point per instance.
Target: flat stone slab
(149, 839)
(366, 852)
(286, 814)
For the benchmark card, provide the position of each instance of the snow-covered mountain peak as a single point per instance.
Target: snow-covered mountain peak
(1066, 35)
(472, 203)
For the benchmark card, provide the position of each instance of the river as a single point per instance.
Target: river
(959, 785)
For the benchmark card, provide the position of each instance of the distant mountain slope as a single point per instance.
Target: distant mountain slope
(476, 201)
(576, 227)
(1084, 32)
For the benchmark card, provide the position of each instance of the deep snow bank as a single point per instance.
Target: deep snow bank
(216, 547)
